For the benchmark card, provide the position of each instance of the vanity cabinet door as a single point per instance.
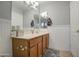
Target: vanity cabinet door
(47, 40)
(36, 46)
(33, 51)
(20, 48)
(45, 43)
(40, 49)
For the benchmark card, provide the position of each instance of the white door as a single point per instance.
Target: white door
(74, 13)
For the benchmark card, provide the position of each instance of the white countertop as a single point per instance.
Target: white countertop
(30, 35)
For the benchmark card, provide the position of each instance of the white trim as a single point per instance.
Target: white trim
(5, 55)
(5, 20)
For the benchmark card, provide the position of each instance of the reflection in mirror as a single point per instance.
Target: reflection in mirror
(29, 14)
(32, 4)
(17, 17)
(36, 18)
(24, 14)
(17, 14)
(45, 20)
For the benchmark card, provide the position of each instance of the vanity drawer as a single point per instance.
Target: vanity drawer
(35, 41)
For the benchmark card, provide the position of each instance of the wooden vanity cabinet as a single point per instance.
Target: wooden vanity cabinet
(34, 47)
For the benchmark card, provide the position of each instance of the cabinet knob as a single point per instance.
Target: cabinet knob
(22, 48)
(25, 47)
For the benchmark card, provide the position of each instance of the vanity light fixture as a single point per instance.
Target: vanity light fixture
(44, 14)
(32, 3)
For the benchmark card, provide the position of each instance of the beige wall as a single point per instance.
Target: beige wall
(58, 11)
(74, 17)
(60, 30)
(5, 25)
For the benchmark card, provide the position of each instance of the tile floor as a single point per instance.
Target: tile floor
(55, 53)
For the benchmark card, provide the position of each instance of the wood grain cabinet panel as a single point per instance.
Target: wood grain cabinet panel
(33, 42)
(45, 42)
(40, 49)
(33, 51)
(30, 48)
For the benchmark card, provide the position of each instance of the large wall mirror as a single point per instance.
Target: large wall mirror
(25, 14)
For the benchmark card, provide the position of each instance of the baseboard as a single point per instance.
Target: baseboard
(5, 55)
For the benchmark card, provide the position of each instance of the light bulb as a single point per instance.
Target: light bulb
(32, 3)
